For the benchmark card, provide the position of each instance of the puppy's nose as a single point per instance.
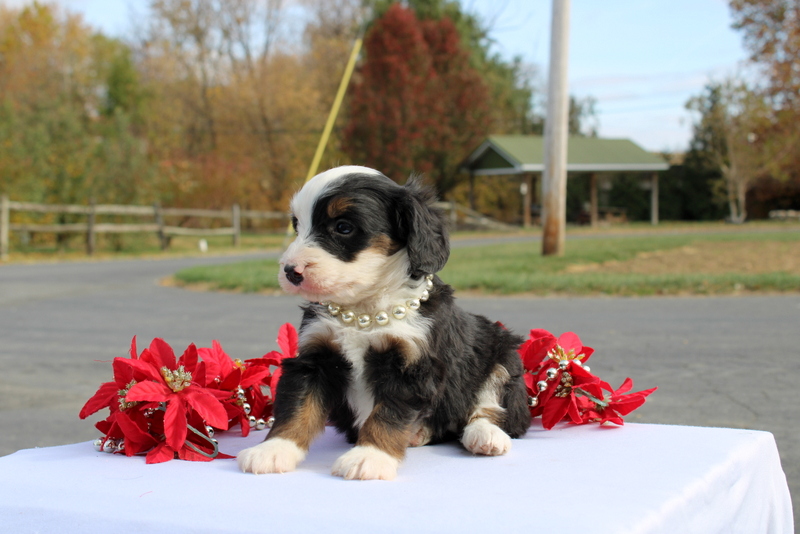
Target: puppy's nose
(292, 275)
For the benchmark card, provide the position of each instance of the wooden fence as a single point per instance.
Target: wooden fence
(91, 227)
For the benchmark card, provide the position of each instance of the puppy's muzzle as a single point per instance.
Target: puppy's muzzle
(292, 274)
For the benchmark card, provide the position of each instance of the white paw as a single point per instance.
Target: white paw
(277, 455)
(482, 437)
(366, 463)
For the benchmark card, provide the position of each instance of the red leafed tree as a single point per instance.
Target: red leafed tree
(417, 104)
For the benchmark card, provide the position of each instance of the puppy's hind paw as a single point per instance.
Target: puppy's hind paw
(483, 437)
(365, 462)
(277, 455)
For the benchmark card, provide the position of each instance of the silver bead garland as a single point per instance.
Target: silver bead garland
(564, 385)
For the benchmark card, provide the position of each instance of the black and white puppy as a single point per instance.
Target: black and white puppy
(385, 354)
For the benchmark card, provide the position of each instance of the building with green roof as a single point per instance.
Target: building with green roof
(523, 155)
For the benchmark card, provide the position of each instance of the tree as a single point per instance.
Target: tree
(417, 105)
(57, 126)
(733, 127)
(772, 34)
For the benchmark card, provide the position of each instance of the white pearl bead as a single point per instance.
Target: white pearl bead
(364, 320)
(425, 296)
(413, 304)
(348, 316)
(399, 312)
(382, 318)
(334, 309)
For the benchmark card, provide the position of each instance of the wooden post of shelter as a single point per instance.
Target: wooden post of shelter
(526, 187)
(236, 217)
(5, 221)
(594, 215)
(90, 233)
(654, 199)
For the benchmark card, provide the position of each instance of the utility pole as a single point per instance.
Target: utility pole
(554, 178)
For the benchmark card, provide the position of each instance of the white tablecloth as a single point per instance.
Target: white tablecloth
(634, 479)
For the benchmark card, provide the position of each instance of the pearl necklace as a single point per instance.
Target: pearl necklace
(381, 318)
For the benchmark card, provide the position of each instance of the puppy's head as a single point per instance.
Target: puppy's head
(359, 233)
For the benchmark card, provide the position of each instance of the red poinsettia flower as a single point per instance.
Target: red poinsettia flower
(611, 409)
(538, 349)
(230, 376)
(170, 383)
(288, 343)
(109, 393)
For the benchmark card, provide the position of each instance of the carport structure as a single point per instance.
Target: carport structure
(523, 155)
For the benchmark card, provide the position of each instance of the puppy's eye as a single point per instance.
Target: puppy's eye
(344, 228)
(294, 224)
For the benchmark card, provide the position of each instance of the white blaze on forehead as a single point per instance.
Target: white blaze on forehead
(303, 201)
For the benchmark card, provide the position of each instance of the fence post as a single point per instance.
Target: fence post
(4, 227)
(162, 237)
(237, 225)
(90, 235)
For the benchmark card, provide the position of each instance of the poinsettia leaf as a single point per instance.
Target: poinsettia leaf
(163, 354)
(626, 386)
(123, 374)
(274, 381)
(132, 351)
(570, 341)
(208, 406)
(610, 416)
(148, 391)
(573, 412)
(218, 363)
(287, 340)
(587, 353)
(140, 368)
(625, 404)
(540, 343)
(254, 376)
(175, 426)
(199, 374)
(555, 408)
(189, 358)
(161, 453)
(232, 379)
(273, 357)
(105, 395)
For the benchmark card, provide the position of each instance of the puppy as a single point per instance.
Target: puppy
(385, 355)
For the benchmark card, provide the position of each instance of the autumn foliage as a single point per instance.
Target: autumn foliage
(417, 105)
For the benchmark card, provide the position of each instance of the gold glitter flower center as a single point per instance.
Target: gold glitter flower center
(178, 379)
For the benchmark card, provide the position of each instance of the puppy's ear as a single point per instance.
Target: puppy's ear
(424, 227)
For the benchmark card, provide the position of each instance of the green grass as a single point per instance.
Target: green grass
(521, 269)
(248, 276)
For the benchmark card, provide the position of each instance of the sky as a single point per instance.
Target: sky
(640, 59)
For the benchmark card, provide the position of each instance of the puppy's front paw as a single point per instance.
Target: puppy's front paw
(277, 455)
(483, 437)
(366, 463)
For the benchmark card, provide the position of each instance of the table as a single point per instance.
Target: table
(633, 479)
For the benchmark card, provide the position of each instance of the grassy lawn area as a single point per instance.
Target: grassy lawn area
(677, 259)
(140, 245)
